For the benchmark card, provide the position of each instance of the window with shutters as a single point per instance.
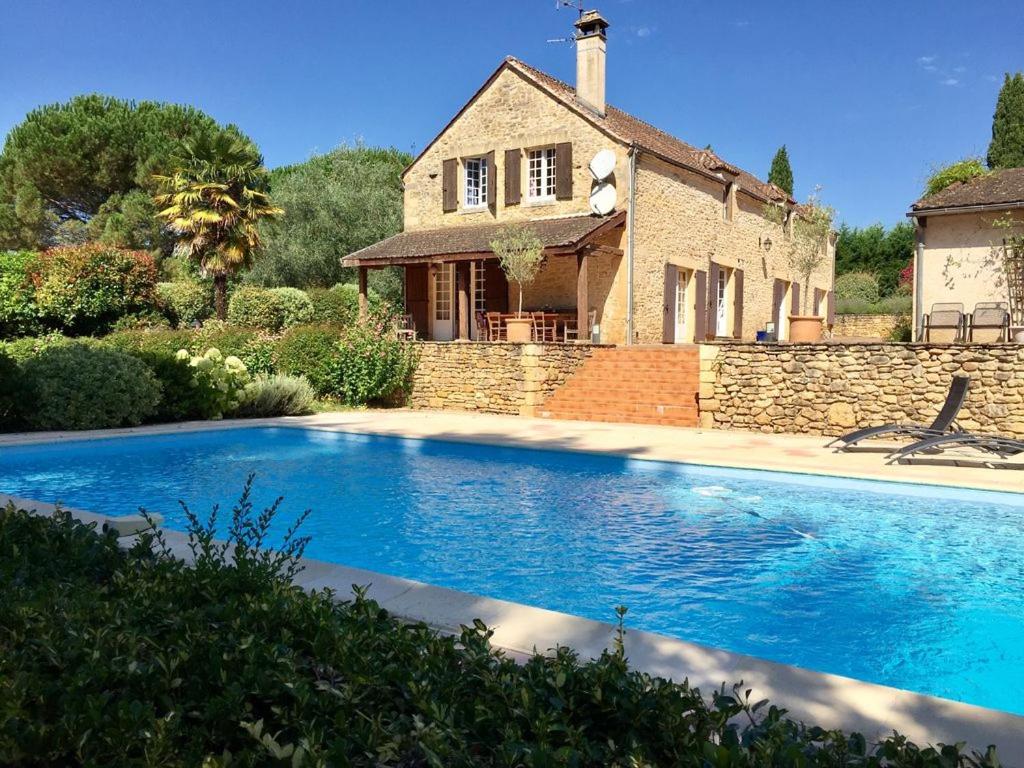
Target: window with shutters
(476, 183)
(541, 174)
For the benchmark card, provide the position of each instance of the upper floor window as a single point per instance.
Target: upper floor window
(476, 182)
(542, 174)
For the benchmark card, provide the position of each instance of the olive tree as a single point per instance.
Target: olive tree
(520, 253)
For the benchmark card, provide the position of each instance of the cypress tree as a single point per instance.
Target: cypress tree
(781, 174)
(1007, 147)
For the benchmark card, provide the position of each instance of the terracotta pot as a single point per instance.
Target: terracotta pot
(805, 328)
(520, 329)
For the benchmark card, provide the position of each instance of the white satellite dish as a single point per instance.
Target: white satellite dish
(603, 164)
(603, 198)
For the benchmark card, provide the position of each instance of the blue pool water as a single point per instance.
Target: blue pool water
(911, 586)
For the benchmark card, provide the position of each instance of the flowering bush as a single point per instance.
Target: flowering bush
(372, 365)
(84, 289)
(222, 380)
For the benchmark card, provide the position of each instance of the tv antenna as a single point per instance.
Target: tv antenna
(559, 5)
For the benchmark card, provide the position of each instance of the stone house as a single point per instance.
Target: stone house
(685, 252)
(959, 255)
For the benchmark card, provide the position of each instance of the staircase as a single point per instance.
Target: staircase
(635, 385)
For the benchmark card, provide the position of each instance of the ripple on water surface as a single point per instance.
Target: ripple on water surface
(916, 587)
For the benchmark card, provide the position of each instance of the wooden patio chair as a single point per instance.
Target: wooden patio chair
(496, 330)
(544, 326)
(948, 319)
(482, 329)
(405, 327)
(572, 330)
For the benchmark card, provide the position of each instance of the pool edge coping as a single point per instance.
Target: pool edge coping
(541, 443)
(818, 698)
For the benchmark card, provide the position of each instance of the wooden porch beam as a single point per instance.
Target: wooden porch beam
(364, 305)
(462, 288)
(582, 296)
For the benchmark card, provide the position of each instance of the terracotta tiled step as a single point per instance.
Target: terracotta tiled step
(640, 385)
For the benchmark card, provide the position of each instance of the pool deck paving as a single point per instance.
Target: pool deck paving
(823, 699)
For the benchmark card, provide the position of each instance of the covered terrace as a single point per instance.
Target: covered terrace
(453, 279)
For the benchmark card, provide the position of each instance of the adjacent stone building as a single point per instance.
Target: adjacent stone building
(667, 243)
(959, 260)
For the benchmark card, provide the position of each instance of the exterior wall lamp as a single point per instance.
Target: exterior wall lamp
(766, 243)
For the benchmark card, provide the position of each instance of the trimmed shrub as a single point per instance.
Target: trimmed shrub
(10, 394)
(311, 351)
(141, 321)
(276, 395)
(338, 305)
(890, 305)
(19, 315)
(185, 302)
(87, 386)
(28, 347)
(857, 285)
(254, 307)
(373, 366)
(83, 289)
(160, 340)
(296, 305)
(113, 657)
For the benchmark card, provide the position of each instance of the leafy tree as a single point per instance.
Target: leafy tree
(876, 251)
(781, 174)
(1007, 147)
(335, 204)
(214, 203)
(65, 161)
(521, 254)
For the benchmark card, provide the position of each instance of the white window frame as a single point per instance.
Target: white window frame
(474, 187)
(541, 172)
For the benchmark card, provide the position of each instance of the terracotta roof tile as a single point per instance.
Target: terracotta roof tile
(1005, 187)
(633, 129)
(421, 245)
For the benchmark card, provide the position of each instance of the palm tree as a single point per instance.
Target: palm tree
(214, 202)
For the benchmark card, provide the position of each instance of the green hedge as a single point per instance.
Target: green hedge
(118, 658)
(185, 302)
(859, 286)
(85, 386)
(19, 315)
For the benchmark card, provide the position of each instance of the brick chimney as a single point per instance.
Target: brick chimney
(591, 52)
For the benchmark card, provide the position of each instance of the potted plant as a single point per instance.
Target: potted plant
(520, 253)
(808, 249)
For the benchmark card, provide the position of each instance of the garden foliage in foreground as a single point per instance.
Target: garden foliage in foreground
(118, 658)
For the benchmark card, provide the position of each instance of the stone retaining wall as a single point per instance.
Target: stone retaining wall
(867, 326)
(492, 377)
(830, 388)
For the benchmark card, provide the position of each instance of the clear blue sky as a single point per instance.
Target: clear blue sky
(868, 96)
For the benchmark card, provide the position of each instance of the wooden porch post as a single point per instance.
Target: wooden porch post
(462, 286)
(582, 297)
(364, 305)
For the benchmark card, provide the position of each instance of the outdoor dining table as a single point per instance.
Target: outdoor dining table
(562, 319)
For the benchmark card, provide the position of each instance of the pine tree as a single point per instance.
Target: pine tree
(781, 174)
(1007, 147)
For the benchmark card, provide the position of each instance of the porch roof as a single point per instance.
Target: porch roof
(567, 234)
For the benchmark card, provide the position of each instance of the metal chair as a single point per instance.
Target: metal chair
(948, 319)
(572, 328)
(992, 318)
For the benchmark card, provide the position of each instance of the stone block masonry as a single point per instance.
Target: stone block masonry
(868, 326)
(829, 389)
(492, 377)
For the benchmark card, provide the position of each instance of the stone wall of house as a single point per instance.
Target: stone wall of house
(494, 377)
(867, 326)
(680, 221)
(830, 388)
(511, 113)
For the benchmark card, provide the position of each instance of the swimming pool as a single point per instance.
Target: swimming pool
(916, 587)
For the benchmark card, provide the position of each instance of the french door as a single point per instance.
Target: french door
(444, 293)
(682, 307)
